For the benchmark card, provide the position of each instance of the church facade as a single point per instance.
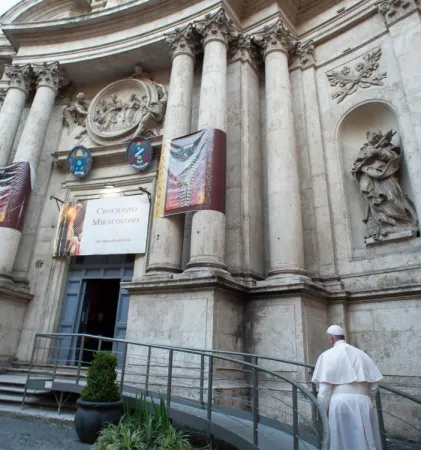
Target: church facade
(319, 106)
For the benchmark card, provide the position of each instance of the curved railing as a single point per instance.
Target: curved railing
(216, 392)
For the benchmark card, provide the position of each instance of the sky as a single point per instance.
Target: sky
(6, 4)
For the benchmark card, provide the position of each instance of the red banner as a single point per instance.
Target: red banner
(15, 187)
(193, 178)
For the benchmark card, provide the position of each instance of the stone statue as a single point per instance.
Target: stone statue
(154, 114)
(376, 170)
(75, 115)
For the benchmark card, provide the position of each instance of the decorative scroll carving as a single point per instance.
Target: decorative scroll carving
(183, 41)
(244, 49)
(74, 116)
(20, 77)
(216, 27)
(126, 108)
(390, 214)
(275, 37)
(303, 54)
(392, 9)
(47, 74)
(363, 76)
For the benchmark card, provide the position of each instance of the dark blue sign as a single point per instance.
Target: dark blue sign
(79, 161)
(139, 153)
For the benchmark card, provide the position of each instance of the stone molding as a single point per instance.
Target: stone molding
(20, 77)
(275, 38)
(48, 75)
(183, 41)
(244, 49)
(364, 75)
(216, 27)
(393, 10)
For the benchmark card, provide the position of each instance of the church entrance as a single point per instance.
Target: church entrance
(94, 303)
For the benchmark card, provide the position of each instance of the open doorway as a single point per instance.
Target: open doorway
(99, 313)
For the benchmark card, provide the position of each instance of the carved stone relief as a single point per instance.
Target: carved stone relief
(393, 9)
(390, 214)
(126, 108)
(75, 115)
(363, 75)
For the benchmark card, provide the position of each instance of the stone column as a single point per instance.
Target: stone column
(208, 227)
(167, 236)
(11, 112)
(31, 145)
(284, 200)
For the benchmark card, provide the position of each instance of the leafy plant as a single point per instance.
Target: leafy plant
(146, 428)
(101, 380)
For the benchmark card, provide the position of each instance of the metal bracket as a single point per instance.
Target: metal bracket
(145, 191)
(57, 201)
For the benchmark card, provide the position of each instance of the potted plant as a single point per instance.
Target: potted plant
(99, 401)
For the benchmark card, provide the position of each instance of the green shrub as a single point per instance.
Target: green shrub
(144, 429)
(101, 381)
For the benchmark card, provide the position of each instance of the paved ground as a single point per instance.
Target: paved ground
(21, 434)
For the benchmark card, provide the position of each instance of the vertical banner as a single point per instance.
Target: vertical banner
(15, 188)
(191, 174)
(103, 227)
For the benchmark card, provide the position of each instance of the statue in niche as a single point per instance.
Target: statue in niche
(75, 115)
(376, 170)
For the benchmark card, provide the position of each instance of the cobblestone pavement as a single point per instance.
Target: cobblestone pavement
(21, 434)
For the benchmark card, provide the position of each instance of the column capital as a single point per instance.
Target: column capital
(244, 49)
(302, 55)
(3, 93)
(48, 75)
(394, 9)
(20, 77)
(183, 41)
(274, 38)
(216, 27)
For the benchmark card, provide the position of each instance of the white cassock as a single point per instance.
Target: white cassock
(348, 381)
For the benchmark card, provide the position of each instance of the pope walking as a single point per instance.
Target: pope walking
(348, 381)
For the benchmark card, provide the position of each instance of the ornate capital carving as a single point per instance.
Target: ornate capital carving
(364, 75)
(3, 93)
(275, 37)
(303, 54)
(183, 41)
(216, 27)
(20, 77)
(47, 74)
(244, 49)
(393, 9)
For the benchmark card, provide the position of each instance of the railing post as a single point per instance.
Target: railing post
(169, 380)
(148, 368)
(255, 405)
(209, 406)
(30, 369)
(295, 417)
(99, 345)
(202, 380)
(381, 421)
(123, 369)
(56, 361)
(79, 363)
(315, 417)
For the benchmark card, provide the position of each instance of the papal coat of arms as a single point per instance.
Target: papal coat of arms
(79, 161)
(139, 153)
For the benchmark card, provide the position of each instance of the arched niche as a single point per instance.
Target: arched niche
(352, 136)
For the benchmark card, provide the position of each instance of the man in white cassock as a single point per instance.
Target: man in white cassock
(348, 381)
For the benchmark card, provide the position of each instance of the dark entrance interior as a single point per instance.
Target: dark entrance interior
(99, 313)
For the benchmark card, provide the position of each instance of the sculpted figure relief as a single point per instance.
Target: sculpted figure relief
(75, 115)
(376, 170)
(153, 115)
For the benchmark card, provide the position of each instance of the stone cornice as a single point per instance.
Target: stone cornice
(183, 41)
(274, 38)
(20, 77)
(394, 10)
(216, 27)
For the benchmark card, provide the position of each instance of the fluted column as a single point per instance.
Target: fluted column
(208, 227)
(167, 235)
(11, 112)
(284, 200)
(30, 146)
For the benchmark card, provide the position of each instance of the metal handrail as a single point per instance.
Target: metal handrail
(252, 367)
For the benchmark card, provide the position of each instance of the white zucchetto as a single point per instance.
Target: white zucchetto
(336, 330)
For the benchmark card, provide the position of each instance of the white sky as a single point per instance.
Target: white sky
(6, 4)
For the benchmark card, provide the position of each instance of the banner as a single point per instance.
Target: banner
(15, 187)
(191, 174)
(106, 226)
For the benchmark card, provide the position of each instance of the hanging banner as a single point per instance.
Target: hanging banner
(191, 174)
(107, 226)
(15, 188)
